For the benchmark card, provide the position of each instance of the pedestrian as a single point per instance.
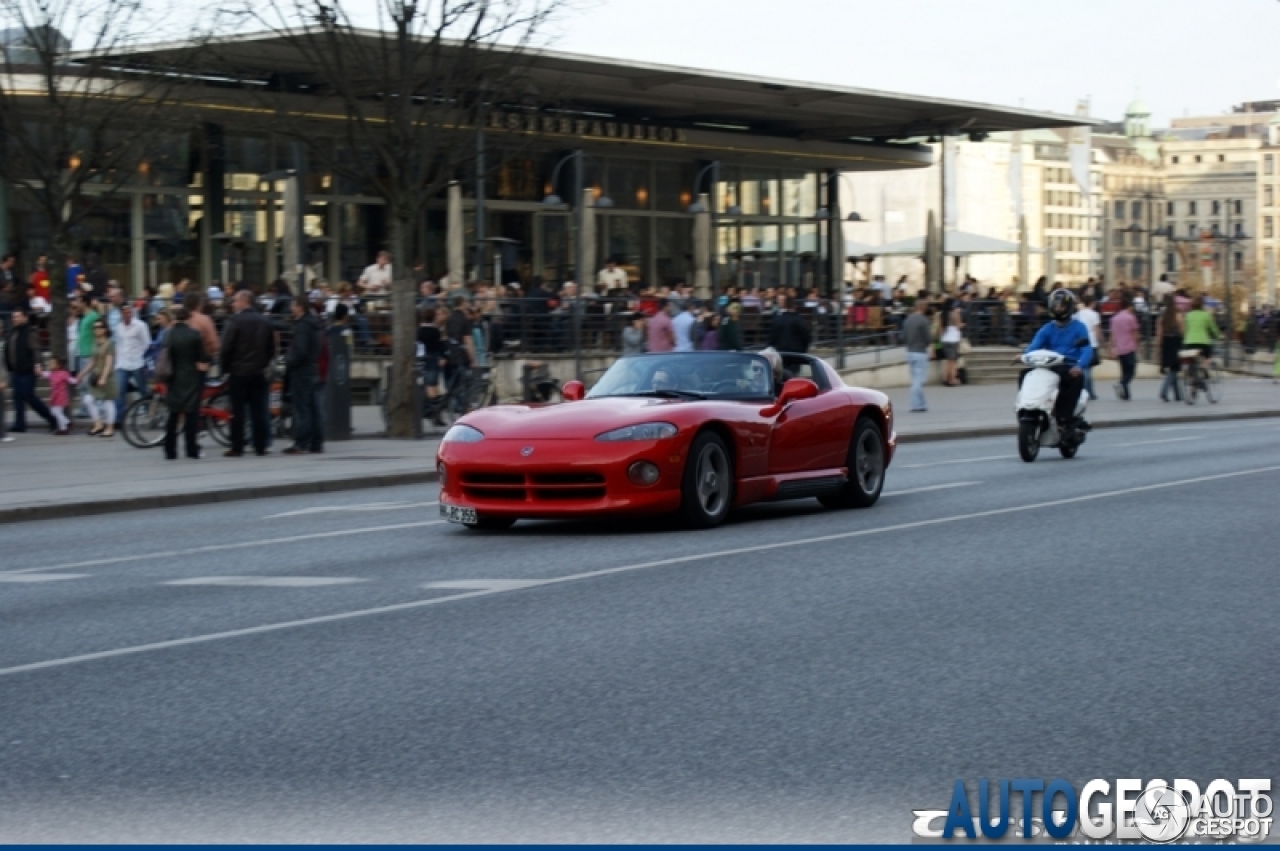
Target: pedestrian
(22, 362)
(1170, 346)
(1091, 320)
(97, 381)
(710, 341)
(194, 301)
(303, 362)
(952, 334)
(611, 278)
(375, 280)
(633, 336)
(60, 384)
(917, 332)
(682, 327)
(661, 337)
(188, 363)
(730, 336)
(88, 316)
(248, 345)
(788, 332)
(1124, 344)
(132, 339)
(4, 385)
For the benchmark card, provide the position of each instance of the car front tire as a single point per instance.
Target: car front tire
(707, 488)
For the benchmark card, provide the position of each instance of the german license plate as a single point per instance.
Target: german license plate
(457, 514)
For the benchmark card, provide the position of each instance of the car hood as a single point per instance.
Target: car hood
(568, 420)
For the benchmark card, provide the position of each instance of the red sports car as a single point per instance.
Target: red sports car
(693, 433)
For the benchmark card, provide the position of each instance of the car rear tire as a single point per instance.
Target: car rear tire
(866, 469)
(492, 524)
(707, 488)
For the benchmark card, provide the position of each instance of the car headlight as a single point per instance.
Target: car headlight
(463, 434)
(644, 431)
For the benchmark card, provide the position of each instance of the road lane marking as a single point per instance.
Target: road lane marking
(483, 584)
(1154, 442)
(611, 571)
(960, 461)
(43, 577)
(215, 548)
(267, 581)
(931, 488)
(368, 506)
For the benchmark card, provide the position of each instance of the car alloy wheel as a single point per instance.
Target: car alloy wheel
(708, 481)
(866, 468)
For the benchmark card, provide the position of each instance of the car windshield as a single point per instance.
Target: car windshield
(688, 375)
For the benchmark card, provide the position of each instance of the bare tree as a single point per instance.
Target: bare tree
(72, 116)
(410, 79)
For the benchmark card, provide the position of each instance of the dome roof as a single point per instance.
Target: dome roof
(1137, 107)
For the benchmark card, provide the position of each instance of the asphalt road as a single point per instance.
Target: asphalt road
(283, 670)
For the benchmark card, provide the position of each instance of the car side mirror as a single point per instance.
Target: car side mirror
(793, 391)
(573, 391)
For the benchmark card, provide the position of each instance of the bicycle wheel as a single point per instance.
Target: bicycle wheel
(144, 422)
(1212, 385)
(479, 395)
(216, 411)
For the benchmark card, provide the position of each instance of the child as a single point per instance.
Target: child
(60, 382)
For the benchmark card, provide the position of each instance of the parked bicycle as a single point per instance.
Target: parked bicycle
(145, 418)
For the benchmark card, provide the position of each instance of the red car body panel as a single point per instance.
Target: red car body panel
(543, 461)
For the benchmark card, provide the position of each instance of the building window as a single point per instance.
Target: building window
(1119, 208)
(1268, 164)
(1198, 158)
(1268, 227)
(1217, 208)
(1170, 209)
(1170, 262)
(1268, 195)
(1222, 158)
(1117, 238)
(1136, 240)
(1239, 233)
(1192, 230)
(1191, 208)
(1136, 207)
(1238, 207)
(1175, 160)
(1238, 261)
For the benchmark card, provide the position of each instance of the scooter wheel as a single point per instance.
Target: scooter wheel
(1028, 440)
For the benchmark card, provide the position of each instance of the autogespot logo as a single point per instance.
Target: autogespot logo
(1125, 809)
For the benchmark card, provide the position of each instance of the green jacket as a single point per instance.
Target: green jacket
(1199, 329)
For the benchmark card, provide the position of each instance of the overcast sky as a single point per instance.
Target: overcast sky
(1186, 56)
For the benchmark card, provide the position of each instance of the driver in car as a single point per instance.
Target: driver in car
(662, 380)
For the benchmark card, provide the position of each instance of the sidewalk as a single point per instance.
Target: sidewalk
(42, 476)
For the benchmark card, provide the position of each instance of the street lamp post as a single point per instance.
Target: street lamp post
(697, 207)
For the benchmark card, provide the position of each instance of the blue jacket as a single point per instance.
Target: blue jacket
(1070, 340)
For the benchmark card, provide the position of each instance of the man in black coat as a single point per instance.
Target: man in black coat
(248, 345)
(788, 332)
(22, 361)
(303, 361)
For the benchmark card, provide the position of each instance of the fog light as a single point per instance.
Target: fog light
(643, 473)
(440, 471)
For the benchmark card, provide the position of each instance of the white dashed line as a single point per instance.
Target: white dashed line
(42, 577)
(267, 581)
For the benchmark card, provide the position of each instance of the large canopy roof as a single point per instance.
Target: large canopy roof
(670, 94)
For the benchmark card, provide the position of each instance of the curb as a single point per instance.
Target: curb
(1011, 430)
(142, 503)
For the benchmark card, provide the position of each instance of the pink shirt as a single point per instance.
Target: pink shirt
(660, 335)
(1124, 333)
(59, 388)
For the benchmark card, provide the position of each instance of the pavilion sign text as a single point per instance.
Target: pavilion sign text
(585, 127)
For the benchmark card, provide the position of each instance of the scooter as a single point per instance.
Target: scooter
(1034, 407)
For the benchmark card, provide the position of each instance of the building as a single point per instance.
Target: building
(653, 139)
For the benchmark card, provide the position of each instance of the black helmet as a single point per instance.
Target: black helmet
(1062, 304)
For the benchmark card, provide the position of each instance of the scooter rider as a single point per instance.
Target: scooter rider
(1070, 338)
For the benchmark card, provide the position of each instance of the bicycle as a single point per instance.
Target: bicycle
(1199, 373)
(145, 418)
(465, 390)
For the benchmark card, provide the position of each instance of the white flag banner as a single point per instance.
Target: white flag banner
(1015, 174)
(951, 213)
(1079, 152)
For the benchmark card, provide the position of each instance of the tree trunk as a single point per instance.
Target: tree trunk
(403, 419)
